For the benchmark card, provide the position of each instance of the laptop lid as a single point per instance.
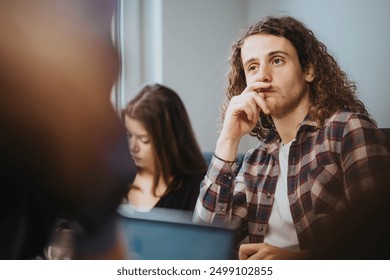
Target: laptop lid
(170, 234)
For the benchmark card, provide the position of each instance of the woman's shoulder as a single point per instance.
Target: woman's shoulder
(186, 195)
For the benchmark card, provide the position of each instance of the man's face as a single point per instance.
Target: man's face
(274, 60)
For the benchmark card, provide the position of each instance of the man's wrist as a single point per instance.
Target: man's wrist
(226, 149)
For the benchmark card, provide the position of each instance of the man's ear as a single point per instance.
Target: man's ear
(310, 73)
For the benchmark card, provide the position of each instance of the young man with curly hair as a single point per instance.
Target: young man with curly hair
(320, 159)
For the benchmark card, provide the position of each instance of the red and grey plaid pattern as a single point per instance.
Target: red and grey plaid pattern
(328, 170)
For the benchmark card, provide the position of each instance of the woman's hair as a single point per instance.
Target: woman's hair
(173, 141)
(331, 89)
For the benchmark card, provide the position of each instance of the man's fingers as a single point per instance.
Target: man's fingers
(248, 251)
(257, 86)
(251, 111)
(253, 91)
(259, 99)
(247, 105)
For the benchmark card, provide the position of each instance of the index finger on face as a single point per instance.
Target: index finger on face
(257, 86)
(259, 99)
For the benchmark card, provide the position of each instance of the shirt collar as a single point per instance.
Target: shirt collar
(272, 141)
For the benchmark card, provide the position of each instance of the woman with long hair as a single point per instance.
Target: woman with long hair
(165, 151)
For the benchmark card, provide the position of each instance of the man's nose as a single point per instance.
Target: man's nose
(264, 74)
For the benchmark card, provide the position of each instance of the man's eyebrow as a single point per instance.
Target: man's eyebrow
(249, 61)
(277, 52)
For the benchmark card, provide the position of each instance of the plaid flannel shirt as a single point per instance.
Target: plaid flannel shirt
(328, 169)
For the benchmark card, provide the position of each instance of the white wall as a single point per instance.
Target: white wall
(356, 33)
(197, 35)
(196, 42)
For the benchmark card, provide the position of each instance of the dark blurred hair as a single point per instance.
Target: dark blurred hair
(165, 118)
(331, 89)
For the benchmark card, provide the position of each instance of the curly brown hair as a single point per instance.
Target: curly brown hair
(330, 91)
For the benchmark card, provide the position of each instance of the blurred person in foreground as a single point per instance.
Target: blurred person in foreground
(63, 148)
(315, 186)
(164, 148)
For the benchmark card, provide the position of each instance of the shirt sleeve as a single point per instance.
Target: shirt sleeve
(222, 195)
(361, 232)
(364, 157)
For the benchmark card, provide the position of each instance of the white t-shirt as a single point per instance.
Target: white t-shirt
(281, 231)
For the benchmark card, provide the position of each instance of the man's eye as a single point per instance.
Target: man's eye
(277, 61)
(252, 68)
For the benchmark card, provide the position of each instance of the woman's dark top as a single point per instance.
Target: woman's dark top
(185, 197)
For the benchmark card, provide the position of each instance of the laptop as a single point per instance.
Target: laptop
(170, 234)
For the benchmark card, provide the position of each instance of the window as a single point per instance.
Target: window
(138, 37)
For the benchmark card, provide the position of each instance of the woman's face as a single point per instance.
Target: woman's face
(140, 144)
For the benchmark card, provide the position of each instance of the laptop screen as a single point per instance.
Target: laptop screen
(169, 234)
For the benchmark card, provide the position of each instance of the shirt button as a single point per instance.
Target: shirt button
(228, 176)
(221, 209)
(260, 229)
(268, 195)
